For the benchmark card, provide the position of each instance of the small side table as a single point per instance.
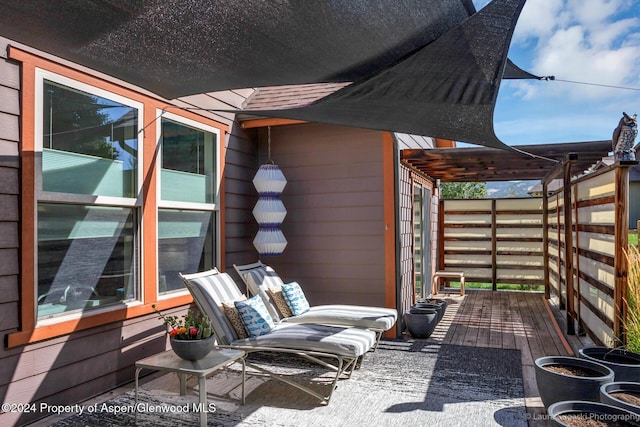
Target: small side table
(169, 362)
(447, 274)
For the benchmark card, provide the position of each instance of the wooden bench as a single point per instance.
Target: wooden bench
(448, 275)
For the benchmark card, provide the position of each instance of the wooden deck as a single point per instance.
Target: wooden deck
(510, 320)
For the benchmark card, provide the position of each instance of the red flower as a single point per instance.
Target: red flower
(193, 331)
(173, 332)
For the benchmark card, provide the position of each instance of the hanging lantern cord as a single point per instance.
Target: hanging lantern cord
(269, 145)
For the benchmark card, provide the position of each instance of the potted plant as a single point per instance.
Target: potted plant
(421, 322)
(581, 413)
(624, 363)
(570, 378)
(190, 336)
(432, 303)
(625, 395)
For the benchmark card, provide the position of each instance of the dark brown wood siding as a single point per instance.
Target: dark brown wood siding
(335, 219)
(9, 215)
(240, 197)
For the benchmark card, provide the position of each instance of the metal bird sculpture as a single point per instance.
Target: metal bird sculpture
(623, 138)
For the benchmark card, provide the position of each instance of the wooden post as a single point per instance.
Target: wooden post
(568, 249)
(621, 237)
(494, 246)
(545, 239)
(561, 302)
(440, 260)
(575, 250)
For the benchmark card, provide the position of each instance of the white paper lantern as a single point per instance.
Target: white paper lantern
(269, 180)
(270, 241)
(269, 211)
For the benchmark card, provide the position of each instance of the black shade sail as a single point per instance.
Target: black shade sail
(430, 67)
(446, 89)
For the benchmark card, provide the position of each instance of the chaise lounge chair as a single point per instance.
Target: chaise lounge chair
(336, 348)
(260, 279)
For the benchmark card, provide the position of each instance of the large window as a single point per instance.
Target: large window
(87, 209)
(186, 214)
(118, 196)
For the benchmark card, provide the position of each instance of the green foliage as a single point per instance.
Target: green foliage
(632, 322)
(463, 190)
(192, 326)
(74, 122)
(633, 238)
(505, 286)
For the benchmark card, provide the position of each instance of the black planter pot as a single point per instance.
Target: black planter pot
(192, 349)
(608, 395)
(436, 301)
(625, 364)
(438, 304)
(590, 411)
(421, 325)
(428, 308)
(555, 387)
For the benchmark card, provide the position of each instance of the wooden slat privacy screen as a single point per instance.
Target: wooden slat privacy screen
(493, 240)
(594, 252)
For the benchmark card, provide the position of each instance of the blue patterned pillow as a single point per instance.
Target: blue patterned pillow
(295, 298)
(255, 316)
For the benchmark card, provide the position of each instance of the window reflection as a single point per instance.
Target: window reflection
(90, 144)
(185, 245)
(188, 162)
(86, 257)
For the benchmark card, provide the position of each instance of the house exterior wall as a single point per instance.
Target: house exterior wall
(335, 224)
(241, 163)
(337, 228)
(70, 368)
(408, 180)
(634, 204)
(405, 221)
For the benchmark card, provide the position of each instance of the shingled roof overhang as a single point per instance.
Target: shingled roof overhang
(489, 164)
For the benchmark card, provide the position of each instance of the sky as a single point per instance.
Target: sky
(589, 41)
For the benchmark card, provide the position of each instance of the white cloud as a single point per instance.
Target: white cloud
(538, 20)
(593, 12)
(596, 42)
(577, 40)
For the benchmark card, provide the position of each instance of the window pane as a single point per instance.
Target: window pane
(90, 144)
(188, 162)
(87, 257)
(417, 240)
(185, 245)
